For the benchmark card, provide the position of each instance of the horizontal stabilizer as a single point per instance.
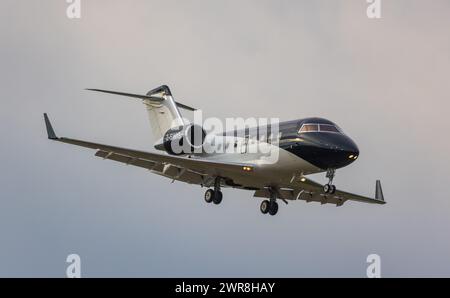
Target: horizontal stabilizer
(152, 98)
(183, 106)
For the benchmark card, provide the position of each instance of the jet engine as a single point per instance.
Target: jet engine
(184, 140)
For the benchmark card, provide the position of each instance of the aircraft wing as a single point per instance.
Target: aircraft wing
(193, 170)
(313, 191)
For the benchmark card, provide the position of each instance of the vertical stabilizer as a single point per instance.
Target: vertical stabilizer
(163, 115)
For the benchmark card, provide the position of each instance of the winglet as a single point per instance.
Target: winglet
(50, 132)
(379, 191)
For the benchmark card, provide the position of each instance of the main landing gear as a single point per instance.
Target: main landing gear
(270, 206)
(214, 195)
(329, 187)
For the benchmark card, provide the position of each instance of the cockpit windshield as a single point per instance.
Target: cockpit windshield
(328, 128)
(309, 128)
(315, 127)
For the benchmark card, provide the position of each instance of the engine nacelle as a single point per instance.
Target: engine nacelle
(184, 140)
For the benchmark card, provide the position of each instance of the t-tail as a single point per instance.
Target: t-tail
(163, 110)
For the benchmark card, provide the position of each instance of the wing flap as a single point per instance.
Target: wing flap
(308, 196)
(321, 198)
(168, 170)
(126, 159)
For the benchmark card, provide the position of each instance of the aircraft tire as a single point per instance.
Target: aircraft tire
(273, 210)
(217, 197)
(333, 189)
(265, 207)
(209, 196)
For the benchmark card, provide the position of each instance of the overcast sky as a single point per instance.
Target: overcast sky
(386, 82)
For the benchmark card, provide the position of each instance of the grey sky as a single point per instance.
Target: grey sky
(385, 82)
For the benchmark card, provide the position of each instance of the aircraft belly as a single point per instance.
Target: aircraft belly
(277, 170)
(286, 167)
(267, 171)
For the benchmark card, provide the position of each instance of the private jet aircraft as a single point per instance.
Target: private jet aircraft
(304, 147)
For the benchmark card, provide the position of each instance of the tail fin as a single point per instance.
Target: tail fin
(162, 109)
(163, 115)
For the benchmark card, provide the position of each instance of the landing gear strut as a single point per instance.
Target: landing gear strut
(270, 206)
(214, 195)
(329, 187)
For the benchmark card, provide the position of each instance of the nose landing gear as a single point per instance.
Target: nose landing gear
(329, 187)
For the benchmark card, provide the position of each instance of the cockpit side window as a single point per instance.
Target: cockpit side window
(309, 128)
(328, 128)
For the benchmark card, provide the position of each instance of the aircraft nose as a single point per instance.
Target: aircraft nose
(329, 150)
(345, 144)
(342, 151)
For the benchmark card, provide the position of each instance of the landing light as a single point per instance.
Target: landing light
(351, 156)
(356, 156)
(247, 169)
(303, 179)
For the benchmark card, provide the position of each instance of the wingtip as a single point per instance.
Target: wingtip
(50, 131)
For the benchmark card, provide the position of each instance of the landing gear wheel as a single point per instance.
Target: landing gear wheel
(333, 189)
(265, 206)
(329, 188)
(209, 196)
(273, 210)
(217, 198)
